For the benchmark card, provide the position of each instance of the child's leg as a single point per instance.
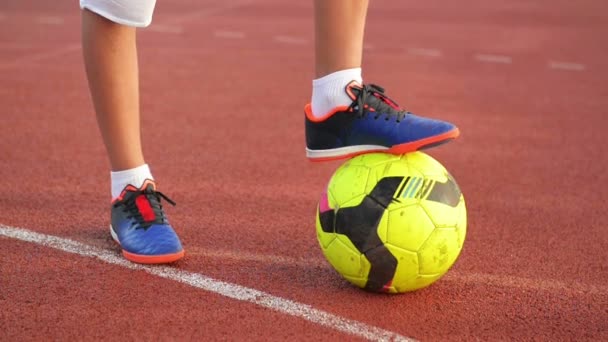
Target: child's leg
(110, 56)
(339, 27)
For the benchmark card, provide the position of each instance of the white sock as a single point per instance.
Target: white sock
(328, 91)
(135, 177)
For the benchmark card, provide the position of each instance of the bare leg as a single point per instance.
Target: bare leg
(339, 29)
(110, 55)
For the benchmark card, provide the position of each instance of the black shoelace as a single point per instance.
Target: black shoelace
(130, 207)
(373, 95)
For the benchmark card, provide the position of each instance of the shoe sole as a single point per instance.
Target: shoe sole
(147, 259)
(352, 151)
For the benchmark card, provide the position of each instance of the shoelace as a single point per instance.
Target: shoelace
(373, 95)
(153, 197)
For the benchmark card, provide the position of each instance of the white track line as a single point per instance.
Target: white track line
(493, 59)
(18, 46)
(203, 282)
(529, 284)
(40, 56)
(568, 66)
(289, 40)
(424, 52)
(50, 20)
(229, 34)
(165, 28)
(208, 12)
(241, 256)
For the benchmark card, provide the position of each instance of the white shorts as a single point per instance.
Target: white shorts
(136, 13)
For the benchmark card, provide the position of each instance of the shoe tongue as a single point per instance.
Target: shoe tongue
(150, 186)
(143, 202)
(130, 190)
(145, 208)
(353, 89)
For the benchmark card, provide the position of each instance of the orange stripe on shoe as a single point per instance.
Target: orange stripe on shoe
(153, 259)
(418, 144)
(349, 89)
(311, 117)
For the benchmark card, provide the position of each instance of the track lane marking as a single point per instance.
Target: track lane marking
(49, 20)
(209, 284)
(162, 28)
(493, 59)
(36, 57)
(229, 34)
(424, 52)
(18, 46)
(546, 285)
(225, 6)
(289, 40)
(568, 66)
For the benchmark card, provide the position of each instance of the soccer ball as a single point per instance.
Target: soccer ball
(391, 223)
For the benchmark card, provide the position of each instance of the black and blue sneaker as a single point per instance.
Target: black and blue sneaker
(141, 228)
(372, 123)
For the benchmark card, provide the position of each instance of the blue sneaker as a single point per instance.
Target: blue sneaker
(140, 227)
(372, 123)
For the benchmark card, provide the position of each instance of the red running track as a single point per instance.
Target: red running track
(224, 85)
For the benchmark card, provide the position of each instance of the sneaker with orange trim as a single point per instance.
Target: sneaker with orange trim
(372, 123)
(141, 228)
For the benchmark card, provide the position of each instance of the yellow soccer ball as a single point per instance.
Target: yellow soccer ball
(391, 223)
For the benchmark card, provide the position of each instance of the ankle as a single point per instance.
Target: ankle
(135, 176)
(328, 92)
